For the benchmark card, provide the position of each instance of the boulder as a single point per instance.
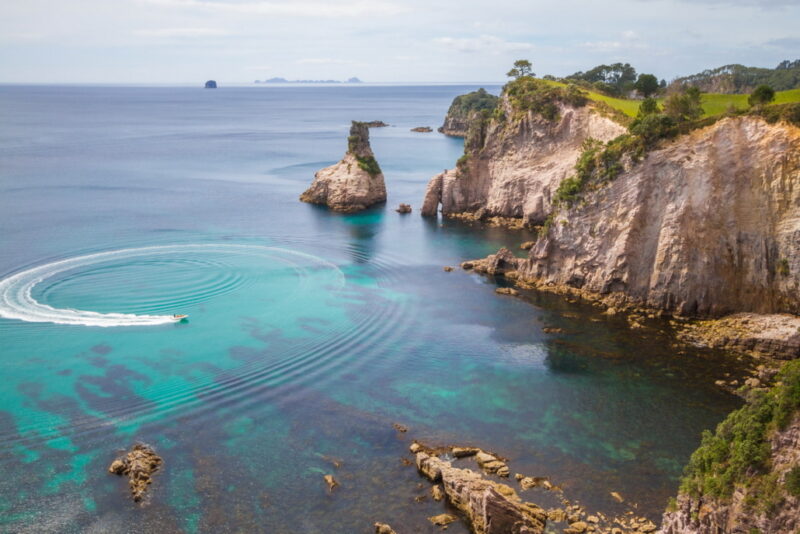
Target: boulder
(383, 528)
(403, 208)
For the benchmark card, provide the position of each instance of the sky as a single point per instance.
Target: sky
(239, 41)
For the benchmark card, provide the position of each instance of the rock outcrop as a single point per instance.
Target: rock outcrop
(353, 184)
(514, 166)
(490, 507)
(138, 465)
(708, 224)
(422, 129)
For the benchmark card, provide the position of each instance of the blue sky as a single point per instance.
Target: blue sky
(238, 41)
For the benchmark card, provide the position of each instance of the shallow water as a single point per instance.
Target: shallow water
(309, 333)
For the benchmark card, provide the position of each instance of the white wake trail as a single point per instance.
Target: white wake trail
(16, 291)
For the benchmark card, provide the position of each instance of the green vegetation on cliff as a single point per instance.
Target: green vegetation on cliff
(464, 105)
(541, 97)
(738, 452)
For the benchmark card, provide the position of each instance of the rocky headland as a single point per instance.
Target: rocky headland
(465, 110)
(353, 184)
(699, 221)
(512, 166)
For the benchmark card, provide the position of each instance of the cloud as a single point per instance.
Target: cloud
(483, 43)
(181, 32)
(787, 43)
(295, 8)
(324, 61)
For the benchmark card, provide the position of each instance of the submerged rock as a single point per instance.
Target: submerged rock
(383, 528)
(353, 184)
(138, 465)
(331, 482)
(442, 519)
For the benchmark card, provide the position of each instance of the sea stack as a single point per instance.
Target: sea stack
(211, 84)
(353, 184)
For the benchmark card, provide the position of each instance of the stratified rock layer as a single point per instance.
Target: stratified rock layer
(353, 184)
(708, 224)
(519, 165)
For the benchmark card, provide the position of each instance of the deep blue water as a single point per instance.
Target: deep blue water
(310, 333)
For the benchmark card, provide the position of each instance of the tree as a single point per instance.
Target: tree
(646, 85)
(649, 106)
(684, 106)
(522, 67)
(763, 94)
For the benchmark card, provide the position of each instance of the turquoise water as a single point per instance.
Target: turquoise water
(309, 333)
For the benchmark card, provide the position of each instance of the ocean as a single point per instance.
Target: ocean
(309, 335)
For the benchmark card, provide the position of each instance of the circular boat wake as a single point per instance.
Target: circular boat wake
(18, 302)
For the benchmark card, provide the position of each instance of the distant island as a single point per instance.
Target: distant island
(284, 80)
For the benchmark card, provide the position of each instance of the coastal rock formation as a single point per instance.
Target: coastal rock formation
(403, 208)
(490, 507)
(211, 84)
(383, 528)
(353, 184)
(773, 335)
(138, 465)
(514, 166)
(708, 224)
(422, 129)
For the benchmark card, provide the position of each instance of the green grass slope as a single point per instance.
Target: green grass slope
(713, 103)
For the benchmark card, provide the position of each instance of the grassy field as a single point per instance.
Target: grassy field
(713, 103)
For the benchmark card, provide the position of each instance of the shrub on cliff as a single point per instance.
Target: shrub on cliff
(529, 94)
(738, 453)
(684, 106)
(761, 96)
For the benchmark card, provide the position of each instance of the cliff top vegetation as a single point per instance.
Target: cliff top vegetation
(738, 453)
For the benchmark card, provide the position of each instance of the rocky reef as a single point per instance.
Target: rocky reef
(353, 184)
(138, 465)
(490, 507)
(745, 478)
(512, 165)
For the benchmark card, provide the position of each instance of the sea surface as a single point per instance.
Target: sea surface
(309, 334)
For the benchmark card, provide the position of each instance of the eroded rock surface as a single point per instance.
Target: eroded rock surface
(490, 507)
(706, 225)
(138, 465)
(353, 184)
(514, 172)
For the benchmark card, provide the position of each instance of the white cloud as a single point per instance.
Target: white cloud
(295, 8)
(483, 43)
(324, 61)
(181, 32)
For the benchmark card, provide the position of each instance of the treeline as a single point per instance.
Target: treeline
(740, 79)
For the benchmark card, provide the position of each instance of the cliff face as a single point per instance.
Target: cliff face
(514, 167)
(708, 224)
(353, 184)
